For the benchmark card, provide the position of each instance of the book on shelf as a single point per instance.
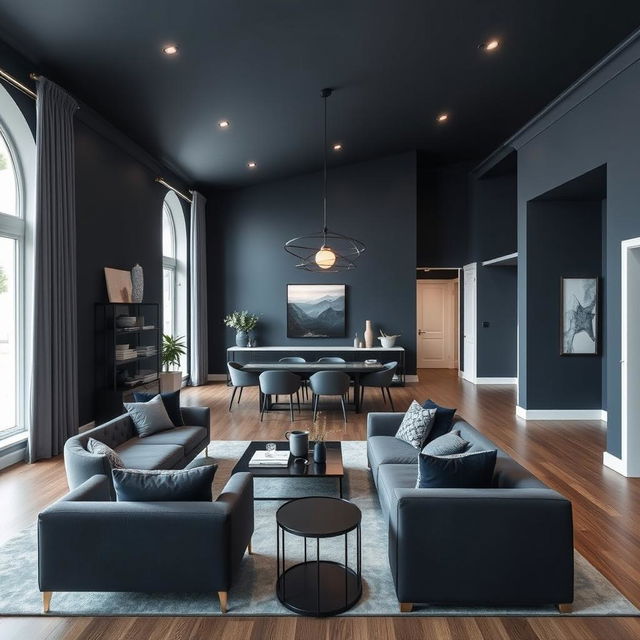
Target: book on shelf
(269, 459)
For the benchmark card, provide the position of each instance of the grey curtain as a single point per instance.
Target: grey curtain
(199, 360)
(54, 381)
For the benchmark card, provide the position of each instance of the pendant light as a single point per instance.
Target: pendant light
(326, 251)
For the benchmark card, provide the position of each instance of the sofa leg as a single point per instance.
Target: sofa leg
(46, 601)
(406, 607)
(206, 451)
(249, 548)
(566, 607)
(223, 601)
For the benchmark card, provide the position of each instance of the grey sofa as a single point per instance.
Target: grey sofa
(87, 542)
(171, 449)
(508, 545)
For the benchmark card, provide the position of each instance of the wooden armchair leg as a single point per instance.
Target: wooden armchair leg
(46, 601)
(223, 601)
(565, 607)
(406, 607)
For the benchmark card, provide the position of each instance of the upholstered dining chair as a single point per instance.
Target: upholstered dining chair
(274, 383)
(303, 377)
(240, 379)
(382, 379)
(329, 383)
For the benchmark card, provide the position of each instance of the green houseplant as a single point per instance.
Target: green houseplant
(172, 350)
(242, 322)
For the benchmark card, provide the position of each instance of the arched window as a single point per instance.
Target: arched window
(174, 271)
(17, 191)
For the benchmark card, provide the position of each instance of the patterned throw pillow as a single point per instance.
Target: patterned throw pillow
(149, 417)
(95, 446)
(415, 425)
(446, 445)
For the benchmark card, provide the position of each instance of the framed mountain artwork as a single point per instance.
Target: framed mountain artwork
(580, 319)
(316, 310)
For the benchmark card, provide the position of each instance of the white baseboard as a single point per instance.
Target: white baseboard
(408, 378)
(20, 455)
(217, 377)
(604, 416)
(560, 414)
(460, 373)
(617, 464)
(496, 380)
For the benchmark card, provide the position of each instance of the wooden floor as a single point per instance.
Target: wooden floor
(565, 455)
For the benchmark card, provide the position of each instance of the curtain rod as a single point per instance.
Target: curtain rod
(179, 193)
(14, 82)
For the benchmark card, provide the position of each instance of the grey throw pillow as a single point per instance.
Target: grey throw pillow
(164, 485)
(416, 425)
(449, 444)
(100, 448)
(149, 417)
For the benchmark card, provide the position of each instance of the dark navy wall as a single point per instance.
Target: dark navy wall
(248, 269)
(563, 239)
(602, 127)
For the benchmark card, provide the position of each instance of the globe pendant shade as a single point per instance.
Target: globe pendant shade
(325, 258)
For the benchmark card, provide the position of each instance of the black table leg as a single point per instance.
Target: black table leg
(356, 390)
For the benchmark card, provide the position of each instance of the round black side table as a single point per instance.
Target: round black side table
(318, 587)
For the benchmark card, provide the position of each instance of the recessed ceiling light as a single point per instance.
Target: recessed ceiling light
(170, 49)
(491, 45)
(251, 164)
(223, 124)
(337, 147)
(443, 117)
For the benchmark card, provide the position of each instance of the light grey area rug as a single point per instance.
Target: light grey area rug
(253, 593)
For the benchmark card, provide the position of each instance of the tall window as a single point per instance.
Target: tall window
(174, 271)
(11, 272)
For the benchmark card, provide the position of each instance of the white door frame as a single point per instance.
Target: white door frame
(629, 463)
(470, 373)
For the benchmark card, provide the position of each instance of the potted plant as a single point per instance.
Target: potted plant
(242, 322)
(172, 350)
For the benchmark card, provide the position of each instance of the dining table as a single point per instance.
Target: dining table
(353, 369)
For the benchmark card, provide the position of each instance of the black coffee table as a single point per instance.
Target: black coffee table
(318, 587)
(332, 468)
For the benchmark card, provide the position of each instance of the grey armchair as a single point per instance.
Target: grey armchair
(86, 542)
(240, 379)
(279, 383)
(303, 377)
(382, 379)
(329, 383)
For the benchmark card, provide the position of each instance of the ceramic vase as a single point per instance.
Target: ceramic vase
(320, 453)
(356, 342)
(242, 338)
(368, 335)
(137, 284)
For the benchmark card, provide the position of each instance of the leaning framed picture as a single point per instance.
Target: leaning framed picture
(316, 310)
(580, 316)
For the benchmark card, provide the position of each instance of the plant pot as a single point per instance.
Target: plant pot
(170, 381)
(319, 453)
(242, 338)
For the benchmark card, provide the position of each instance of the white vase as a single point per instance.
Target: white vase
(356, 342)
(368, 335)
(137, 284)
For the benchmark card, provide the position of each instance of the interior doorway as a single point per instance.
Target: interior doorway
(437, 319)
(470, 328)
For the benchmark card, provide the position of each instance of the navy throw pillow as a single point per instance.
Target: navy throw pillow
(442, 422)
(171, 401)
(473, 470)
(183, 485)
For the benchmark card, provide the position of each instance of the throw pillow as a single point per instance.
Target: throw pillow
(415, 425)
(446, 445)
(471, 470)
(171, 401)
(443, 420)
(95, 446)
(184, 485)
(149, 417)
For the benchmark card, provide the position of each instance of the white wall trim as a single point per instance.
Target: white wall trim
(19, 455)
(604, 416)
(484, 380)
(559, 414)
(611, 461)
(413, 378)
(217, 377)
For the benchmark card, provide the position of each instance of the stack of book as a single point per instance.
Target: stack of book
(146, 351)
(125, 352)
(269, 459)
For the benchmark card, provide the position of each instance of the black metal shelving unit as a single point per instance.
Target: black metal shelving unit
(116, 380)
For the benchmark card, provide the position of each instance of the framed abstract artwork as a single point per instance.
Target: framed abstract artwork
(316, 310)
(580, 321)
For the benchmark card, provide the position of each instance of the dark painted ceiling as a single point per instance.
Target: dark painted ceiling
(395, 64)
